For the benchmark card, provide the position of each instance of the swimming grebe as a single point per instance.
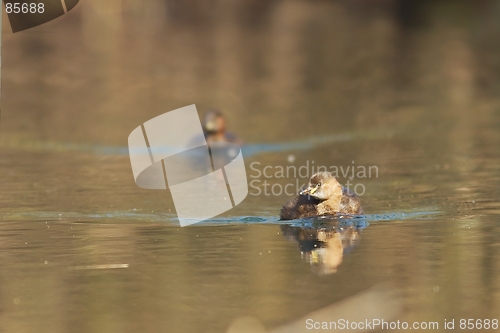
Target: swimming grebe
(323, 195)
(214, 128)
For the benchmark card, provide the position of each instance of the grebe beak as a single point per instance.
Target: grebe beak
(310, 190)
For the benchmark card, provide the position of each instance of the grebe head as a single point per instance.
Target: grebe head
(214, 122)
(322, 186)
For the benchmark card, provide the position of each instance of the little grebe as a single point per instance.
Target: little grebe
(214, 128)
(323, 196)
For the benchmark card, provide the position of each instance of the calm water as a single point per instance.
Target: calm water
(305, 84)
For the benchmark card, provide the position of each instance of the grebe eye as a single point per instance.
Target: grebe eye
(318, 184)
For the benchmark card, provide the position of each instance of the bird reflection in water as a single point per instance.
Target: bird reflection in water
(324, 241)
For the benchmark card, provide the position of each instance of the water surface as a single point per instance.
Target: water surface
(83, 249)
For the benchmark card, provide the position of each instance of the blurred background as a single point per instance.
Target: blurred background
(409, 86)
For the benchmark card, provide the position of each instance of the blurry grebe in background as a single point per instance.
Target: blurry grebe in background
(214, 128)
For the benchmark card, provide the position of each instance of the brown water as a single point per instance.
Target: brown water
(83, 249)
